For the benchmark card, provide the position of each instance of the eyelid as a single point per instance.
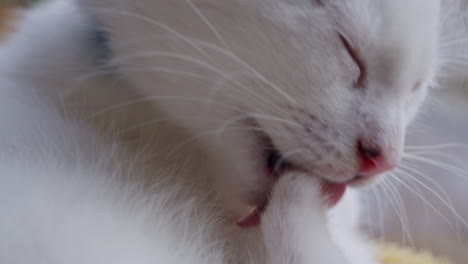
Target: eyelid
(361, 81)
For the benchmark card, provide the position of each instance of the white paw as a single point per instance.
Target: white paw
(294, 226)
(296, 193)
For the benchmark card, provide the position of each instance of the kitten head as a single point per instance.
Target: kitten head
(327, 87)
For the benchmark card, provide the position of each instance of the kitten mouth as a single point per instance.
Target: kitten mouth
(277, 165)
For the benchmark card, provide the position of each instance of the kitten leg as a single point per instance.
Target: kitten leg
(343, 222)
(294, 226)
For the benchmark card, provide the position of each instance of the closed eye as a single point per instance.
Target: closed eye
(360, 82)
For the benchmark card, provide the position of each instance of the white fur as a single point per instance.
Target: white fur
(288, 73)
(87, 179)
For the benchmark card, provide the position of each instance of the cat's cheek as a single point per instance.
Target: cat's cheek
(413, 104)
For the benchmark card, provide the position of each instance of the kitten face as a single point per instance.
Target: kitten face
(317, 81)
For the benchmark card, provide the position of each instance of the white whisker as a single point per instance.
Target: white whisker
(399, 209)
(207, 22)
(381, 212)
(420, 196)
(456, 171)
(152, 22)
(446, 202)
(146, 54)
(438, 146)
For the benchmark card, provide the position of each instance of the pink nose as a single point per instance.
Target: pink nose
(373, 162)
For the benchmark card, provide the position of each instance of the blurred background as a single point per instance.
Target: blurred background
(17, 2)
(423, 203)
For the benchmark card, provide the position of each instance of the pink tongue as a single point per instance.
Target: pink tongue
(332, 192)
(253, 219)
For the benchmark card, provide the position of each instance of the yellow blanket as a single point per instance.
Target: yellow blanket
(389, 254)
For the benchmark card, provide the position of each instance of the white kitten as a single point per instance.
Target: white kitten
(322, 83)
(284, 103)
